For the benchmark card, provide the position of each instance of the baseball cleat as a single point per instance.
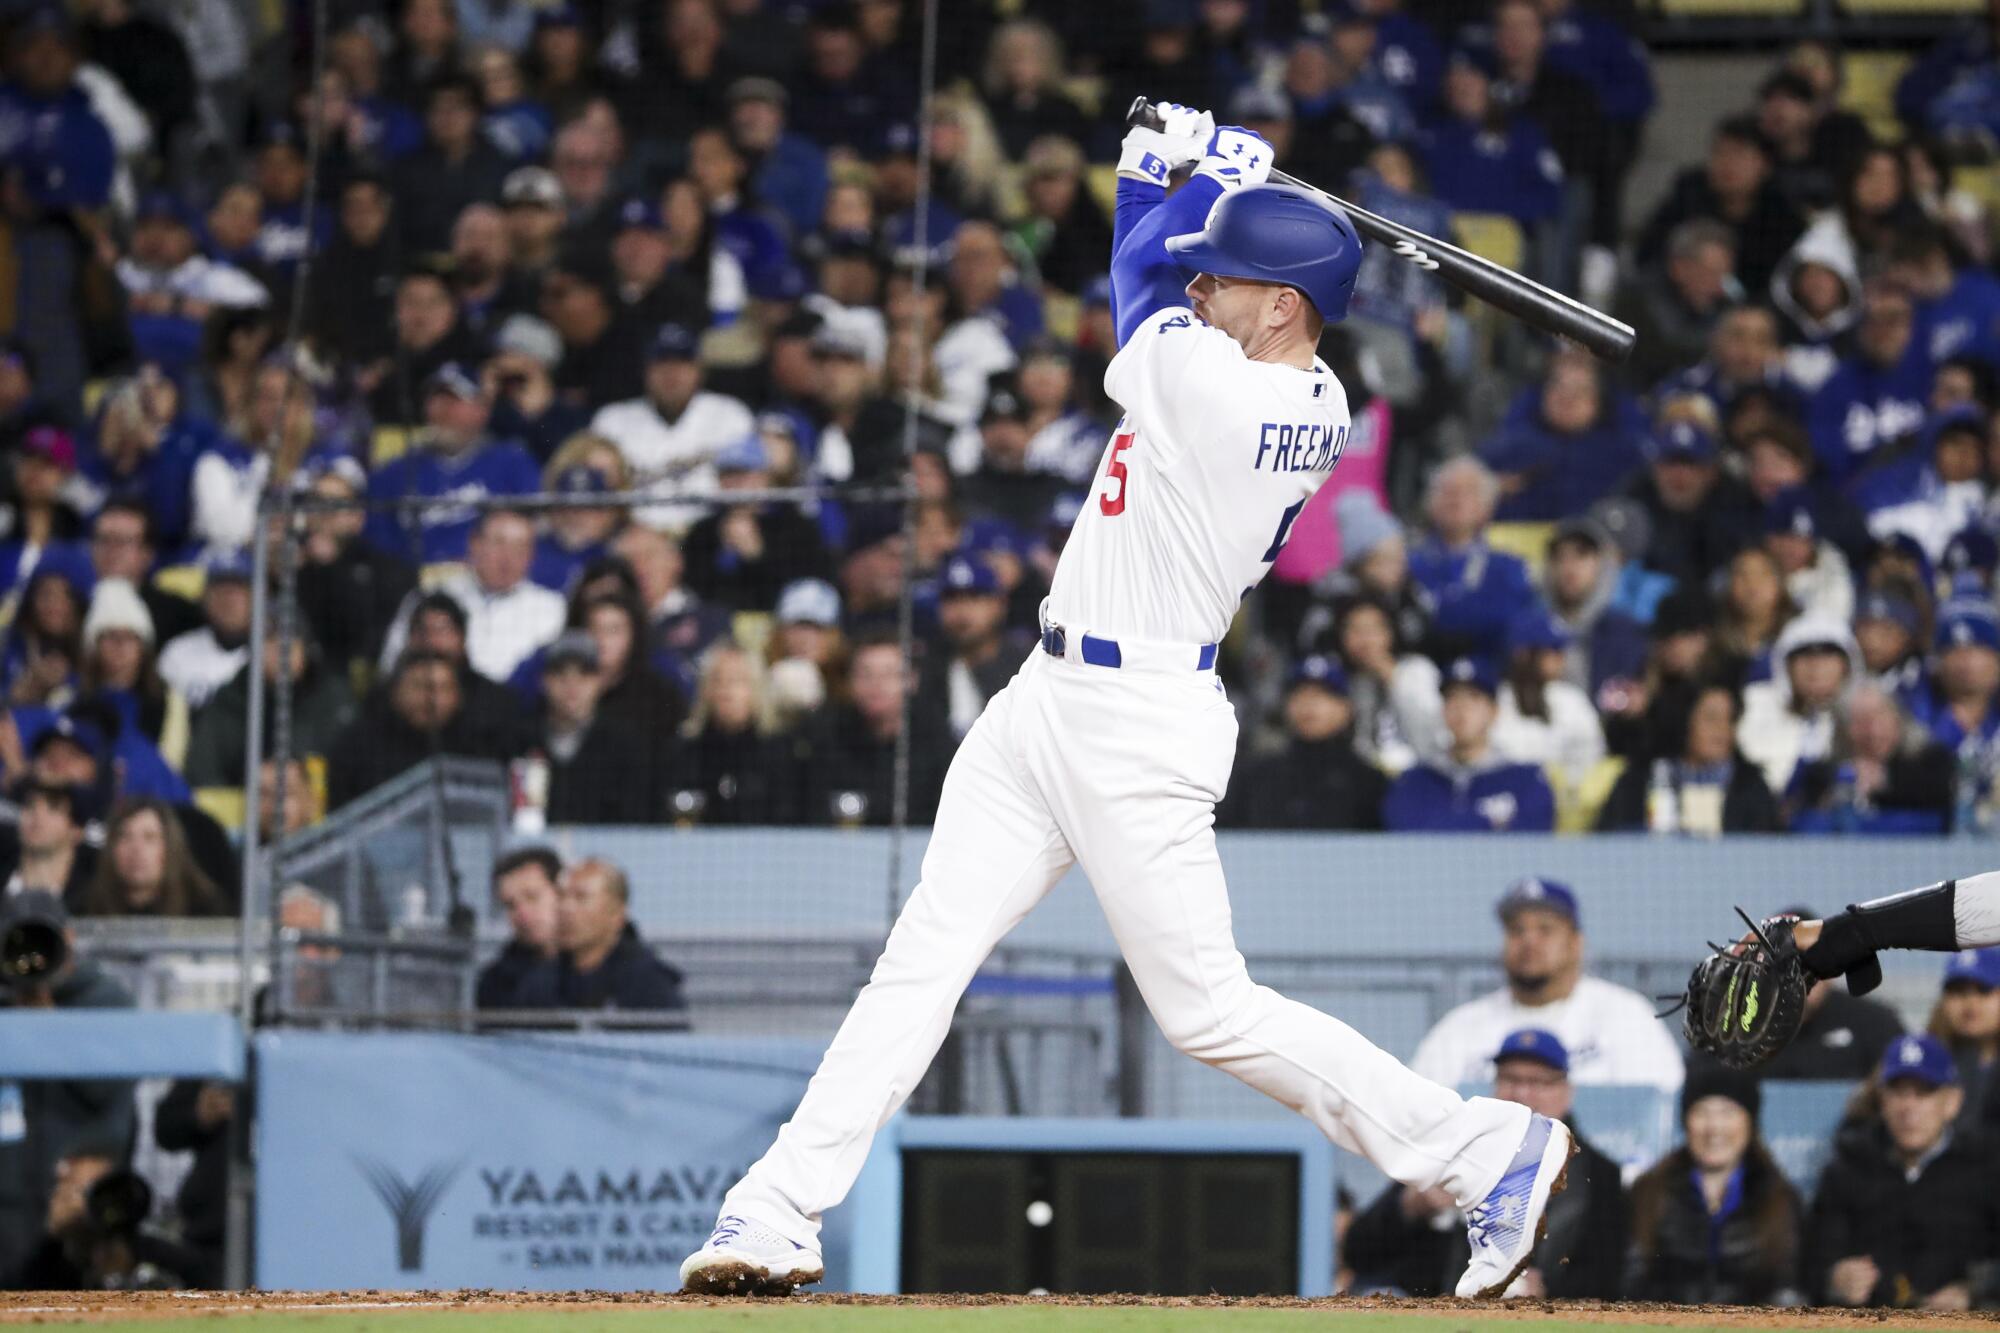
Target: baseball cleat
(1507, 1224)
(747, 1258)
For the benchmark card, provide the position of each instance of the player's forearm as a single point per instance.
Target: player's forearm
(1136, 200)
(1954, 914)
(1144, 277)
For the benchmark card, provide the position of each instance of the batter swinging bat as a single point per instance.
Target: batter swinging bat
(1541, 307)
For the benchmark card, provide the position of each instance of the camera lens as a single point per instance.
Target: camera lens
(31, 950)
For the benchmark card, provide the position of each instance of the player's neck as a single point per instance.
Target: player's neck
(1280, 347)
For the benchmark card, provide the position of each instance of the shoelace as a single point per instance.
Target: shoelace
(726, 1229)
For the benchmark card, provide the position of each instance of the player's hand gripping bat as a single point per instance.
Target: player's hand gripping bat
(1541, 307)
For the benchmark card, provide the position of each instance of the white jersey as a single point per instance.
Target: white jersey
(673, 458)
(1214, 458)
(1611, 1034)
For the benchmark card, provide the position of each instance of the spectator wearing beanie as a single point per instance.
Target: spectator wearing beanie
(1715, 1222)
(119, 668)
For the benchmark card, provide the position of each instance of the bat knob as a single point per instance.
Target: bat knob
(1140, 115)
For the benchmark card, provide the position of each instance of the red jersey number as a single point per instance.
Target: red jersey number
(1111, 506)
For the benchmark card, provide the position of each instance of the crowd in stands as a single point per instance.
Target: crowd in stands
(670, 252)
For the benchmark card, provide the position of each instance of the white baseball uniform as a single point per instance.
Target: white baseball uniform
(1119, 767)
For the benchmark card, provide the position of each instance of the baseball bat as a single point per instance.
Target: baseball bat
(1541, 307)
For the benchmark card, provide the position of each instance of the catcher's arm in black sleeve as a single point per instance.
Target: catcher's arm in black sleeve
(1954, 914)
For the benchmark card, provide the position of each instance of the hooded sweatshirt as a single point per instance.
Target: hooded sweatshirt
(1774, 734)
(1810, 355)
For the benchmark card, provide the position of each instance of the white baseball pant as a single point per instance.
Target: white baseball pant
(1119, 769)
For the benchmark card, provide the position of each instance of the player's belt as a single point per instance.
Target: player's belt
(1098, 651)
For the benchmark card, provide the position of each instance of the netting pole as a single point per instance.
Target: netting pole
(899, 815)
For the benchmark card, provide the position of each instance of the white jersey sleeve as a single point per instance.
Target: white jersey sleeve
(1196, 492)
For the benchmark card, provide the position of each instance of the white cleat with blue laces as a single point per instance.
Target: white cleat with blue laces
(1508, 1223)
(746, 1258)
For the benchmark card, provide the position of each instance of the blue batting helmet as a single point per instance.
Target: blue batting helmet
(1282, 234)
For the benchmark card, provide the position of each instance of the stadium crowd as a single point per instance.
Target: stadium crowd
(664, 252)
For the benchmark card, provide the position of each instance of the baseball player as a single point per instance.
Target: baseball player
(1114, 741)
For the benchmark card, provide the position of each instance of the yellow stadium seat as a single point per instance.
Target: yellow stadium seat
(1914, 6)
(431, 575)
(1492, 236)
(388, 442)
(751, 630)
(225, 805)
(182, 581)
(1577, 804)
(1061, 313)
(1868, 86)
(1981, 182)
(1102, 181)
(1530, 541)
(1732, 8)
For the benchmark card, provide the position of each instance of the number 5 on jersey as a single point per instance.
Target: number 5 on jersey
(1109, 504)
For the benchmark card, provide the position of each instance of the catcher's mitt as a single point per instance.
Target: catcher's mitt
(1745, 1002)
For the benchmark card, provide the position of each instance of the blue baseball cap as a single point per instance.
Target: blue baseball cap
(969, 576)
(1681, 442)
(898, 139)
(1548, 894)
(580, 479)
(1920, 1058)
(1537, 628)
(1791, 511)
(1475, 672)
(983, 536)
(1967, 624)
(1065, 510)
(1962, 419)
(456, 379)
(85, 736)
(1885, 606)
(558, 16)
(641, 213)
(1318, 669)
(1973, 549)
(1981, 967)
(1535, 1044)
(780, 281)
(1098, 293)
(674, 342)
(745, 455)
(227, 567)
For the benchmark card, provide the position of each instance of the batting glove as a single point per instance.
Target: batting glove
(1236, 157)
(1151, 155)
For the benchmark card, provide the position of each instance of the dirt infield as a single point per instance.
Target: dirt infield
(327, 1307)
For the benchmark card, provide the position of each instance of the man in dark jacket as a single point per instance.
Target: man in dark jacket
(419, 713)
(1397, 1243)
(852, 766)
(41, 1119)
(603, 964)
(524, 883)
(322, 707)
(1317, 780)
(1700, 517)
(600, 772)
(1908, 1207)
(349, 589)
(979, 653)
(741, 555)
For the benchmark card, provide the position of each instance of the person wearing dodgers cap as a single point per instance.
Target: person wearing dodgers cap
(1407, 1241)
(670, 434)
(1908, 1210)
(1471, 788)
(743, 555)
(981, 653)
(1967, 1019)
(1609, 1033)
(1317, 780)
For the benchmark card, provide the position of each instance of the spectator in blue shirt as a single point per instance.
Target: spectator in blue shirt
(1573, 450)
(1476, 590)
(456, 463)
(1875, 396)
(1469, 789)
(1406, 51)
(1962, 709)
(1483, 158)
(1954, 91)
(49, 133)
(1957, 307)
(787, 170)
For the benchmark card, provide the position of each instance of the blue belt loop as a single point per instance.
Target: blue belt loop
(1206, 661)
(1101, 652)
